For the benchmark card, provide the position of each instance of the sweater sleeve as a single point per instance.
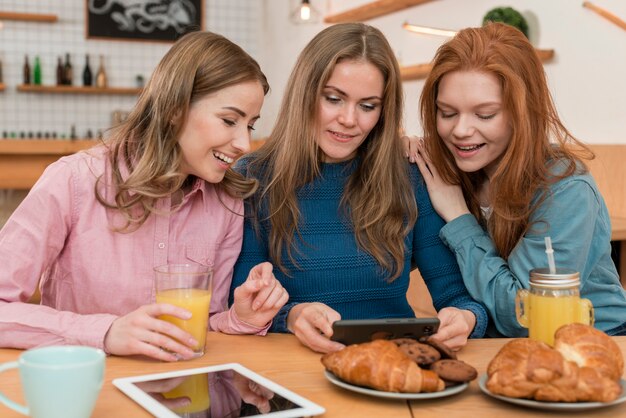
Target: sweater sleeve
(438, 266)
(494, 281)
(30, 243)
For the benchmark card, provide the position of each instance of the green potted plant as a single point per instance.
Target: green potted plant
(509, 16)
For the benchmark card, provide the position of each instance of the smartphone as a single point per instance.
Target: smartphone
(355, 331)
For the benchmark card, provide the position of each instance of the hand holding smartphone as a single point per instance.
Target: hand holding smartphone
(357, 331)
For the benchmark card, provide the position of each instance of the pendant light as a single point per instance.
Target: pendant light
(305, 13)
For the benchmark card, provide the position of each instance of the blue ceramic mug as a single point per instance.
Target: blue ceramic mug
(58, 381)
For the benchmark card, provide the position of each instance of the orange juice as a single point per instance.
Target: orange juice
(196, 388)
(196, 301)
(549, 313)
(552, 301)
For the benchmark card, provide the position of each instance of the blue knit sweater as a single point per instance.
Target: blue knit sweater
(332, 269)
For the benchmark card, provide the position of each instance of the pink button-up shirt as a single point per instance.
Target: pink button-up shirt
(91, 275)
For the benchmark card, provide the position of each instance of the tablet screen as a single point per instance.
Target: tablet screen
(217, 391)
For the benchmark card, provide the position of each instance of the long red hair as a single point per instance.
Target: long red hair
(539, 140)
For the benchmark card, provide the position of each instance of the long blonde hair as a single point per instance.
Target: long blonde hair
(378, 196)
(144, 152)
(539, 140)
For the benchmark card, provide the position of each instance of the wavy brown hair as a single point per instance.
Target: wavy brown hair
(144, 152)
(539, 141)
(378, 196)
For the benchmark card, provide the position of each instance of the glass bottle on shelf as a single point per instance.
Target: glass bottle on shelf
(101, 76)
(60, 72)
(37, 72)
(67, 71)
(87, 76)
(26, 71)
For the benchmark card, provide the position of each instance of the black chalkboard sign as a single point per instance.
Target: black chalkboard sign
(139, 20)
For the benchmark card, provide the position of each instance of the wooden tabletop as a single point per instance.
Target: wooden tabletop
(282, 359)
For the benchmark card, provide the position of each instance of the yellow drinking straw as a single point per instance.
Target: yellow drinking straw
(550, 254)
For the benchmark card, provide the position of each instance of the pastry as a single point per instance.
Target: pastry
(584, 366)
(381, 365)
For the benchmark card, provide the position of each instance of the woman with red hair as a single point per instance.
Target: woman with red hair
(504, 173)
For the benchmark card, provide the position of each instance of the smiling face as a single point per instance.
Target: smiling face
(471, 120)
(217, 130)
(348, 109)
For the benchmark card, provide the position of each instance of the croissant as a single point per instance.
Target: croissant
(589, 347)
(381, 365)
(584, 366)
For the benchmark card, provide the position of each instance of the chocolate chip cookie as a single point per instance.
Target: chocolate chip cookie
(456, 371)
(422, 354)
(443, 349)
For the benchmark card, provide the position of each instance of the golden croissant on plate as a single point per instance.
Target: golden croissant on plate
(585, 365)
(381, 365)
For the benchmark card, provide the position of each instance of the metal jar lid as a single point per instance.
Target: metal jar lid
(561, 278)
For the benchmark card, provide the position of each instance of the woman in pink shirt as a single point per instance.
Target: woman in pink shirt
(159, 190)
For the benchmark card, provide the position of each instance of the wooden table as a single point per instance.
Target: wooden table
(281, 358)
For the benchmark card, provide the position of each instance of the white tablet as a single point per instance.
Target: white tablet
(225, 390)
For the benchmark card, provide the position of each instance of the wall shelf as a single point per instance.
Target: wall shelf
(415, 72)
(545, 54)
(420, 71)
(371, 10)
(28, 17)
(30, 88)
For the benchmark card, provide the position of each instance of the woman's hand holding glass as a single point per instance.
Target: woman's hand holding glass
(260, 297)
(312, 324)
(141, 333)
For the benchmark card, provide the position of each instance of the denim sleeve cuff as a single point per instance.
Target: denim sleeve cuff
(454, 232)
(280, 320)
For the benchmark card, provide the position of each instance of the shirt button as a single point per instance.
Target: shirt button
(161, 245)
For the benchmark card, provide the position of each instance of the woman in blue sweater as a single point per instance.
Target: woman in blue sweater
(504, 173)
(339, 211)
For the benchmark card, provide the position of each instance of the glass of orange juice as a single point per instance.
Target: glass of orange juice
(189, 287)
(552, 301)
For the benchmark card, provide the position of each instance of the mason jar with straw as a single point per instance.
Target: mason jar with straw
(552, 301)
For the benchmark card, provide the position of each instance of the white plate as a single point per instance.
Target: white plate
(554, 406)
(394, 395)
